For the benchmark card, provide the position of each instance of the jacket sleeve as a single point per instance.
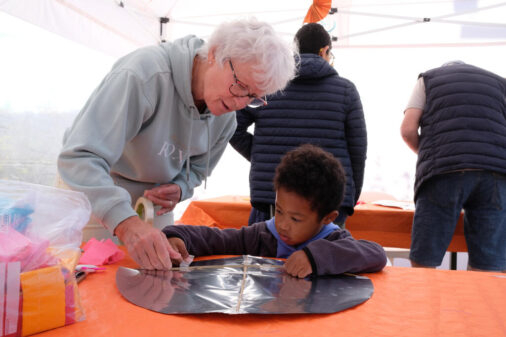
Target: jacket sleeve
(340, 253)
(356, 135)
(203, 240)
(112, 116)
(198, 164)
(242, 140)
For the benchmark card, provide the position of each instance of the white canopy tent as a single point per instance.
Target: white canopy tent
(119, 26)
(381, 45)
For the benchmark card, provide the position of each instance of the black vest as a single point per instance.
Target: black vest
(463, 125)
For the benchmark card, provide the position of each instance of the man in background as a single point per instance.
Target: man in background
(456, 122)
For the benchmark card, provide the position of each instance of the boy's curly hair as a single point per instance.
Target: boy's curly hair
(315, 175)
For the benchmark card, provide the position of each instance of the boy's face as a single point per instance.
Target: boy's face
(296, 221)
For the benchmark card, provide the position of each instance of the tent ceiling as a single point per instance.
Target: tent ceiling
(117, 27)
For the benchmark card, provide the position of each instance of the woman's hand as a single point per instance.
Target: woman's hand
(166, 196)
(147, 245)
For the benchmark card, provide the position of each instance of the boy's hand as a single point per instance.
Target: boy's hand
(178, 245)
(298, 265)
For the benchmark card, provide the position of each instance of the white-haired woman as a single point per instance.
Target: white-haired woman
(159, 122)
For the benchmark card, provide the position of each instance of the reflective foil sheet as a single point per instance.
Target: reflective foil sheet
(240, 285)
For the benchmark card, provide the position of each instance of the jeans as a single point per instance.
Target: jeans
(482, 196)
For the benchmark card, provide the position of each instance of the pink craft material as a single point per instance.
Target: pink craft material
(100, 252)
(39, 258)
(3, 271)
(15, 246)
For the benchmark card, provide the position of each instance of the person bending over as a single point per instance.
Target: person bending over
(158, 123)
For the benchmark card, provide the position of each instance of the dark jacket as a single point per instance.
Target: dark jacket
(463, 124)
(338, 253)
(317, 107)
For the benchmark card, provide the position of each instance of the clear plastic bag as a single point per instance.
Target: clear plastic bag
(40, 238)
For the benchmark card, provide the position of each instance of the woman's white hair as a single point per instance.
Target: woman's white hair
(250, 40)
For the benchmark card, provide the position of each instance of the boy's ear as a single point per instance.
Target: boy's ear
(330, 217)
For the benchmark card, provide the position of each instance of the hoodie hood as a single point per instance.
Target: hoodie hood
(182, 53)
(313, 66)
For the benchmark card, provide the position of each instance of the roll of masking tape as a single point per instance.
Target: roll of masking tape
(145, 209)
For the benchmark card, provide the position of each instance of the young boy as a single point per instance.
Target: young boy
(309, 184)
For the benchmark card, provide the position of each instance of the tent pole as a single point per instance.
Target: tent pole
(163, 21)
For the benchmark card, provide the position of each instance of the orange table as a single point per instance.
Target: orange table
(229, 211)
(390, 227)
(406, 302)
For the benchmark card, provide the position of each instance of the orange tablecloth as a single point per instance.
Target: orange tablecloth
(223, 212)
(390, 227)
(406, 302)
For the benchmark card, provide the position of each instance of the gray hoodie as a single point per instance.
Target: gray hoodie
(139, 129)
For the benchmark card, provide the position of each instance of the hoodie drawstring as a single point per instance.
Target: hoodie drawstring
(188, 147)
(208, 151)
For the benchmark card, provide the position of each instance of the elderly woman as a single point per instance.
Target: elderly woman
(159, 122)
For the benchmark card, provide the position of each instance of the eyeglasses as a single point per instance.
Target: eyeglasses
(331, 59)
(239, 89)
(330, 56)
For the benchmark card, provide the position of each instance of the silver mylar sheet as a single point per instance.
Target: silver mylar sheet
(240, 285)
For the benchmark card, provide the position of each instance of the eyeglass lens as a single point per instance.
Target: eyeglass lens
(240, 90)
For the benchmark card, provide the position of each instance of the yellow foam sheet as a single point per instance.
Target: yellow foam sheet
(43, 300)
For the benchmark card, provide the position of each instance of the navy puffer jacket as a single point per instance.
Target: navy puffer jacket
(463, 124)
(317, 107)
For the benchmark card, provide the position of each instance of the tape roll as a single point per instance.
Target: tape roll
(145, 209)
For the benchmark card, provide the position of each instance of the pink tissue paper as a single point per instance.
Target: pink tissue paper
(100, 252)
